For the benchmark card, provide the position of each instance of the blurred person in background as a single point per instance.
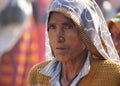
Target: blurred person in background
(114, 27)
(19, 45)
(42, 5)
(39, 12)
(39, 9)
(35, 10)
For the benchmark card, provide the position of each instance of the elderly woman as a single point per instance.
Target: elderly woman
(114, 27)
(82, 49)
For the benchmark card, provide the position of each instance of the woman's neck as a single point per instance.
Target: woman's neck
(71, 69)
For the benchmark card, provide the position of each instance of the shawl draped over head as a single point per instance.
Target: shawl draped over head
(92, 26)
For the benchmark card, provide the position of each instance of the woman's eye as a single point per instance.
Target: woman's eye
(68, 26)
(51, 26)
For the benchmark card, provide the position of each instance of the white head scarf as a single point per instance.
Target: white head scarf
(93, 28)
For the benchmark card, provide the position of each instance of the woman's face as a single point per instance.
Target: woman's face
(64, 37)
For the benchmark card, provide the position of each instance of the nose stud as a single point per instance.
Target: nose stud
(62, 39)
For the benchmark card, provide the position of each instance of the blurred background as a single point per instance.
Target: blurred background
(22, 36)
(109, 7)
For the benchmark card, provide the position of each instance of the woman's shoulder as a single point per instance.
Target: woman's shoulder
(106, 64)
(34, 76)
(109, 65)
(103, 73)
(40, 65)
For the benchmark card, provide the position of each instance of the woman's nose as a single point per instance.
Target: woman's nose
(60, 35)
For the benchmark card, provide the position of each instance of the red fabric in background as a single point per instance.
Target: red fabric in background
(28, 51)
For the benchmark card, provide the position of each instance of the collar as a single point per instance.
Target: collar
(53, 70)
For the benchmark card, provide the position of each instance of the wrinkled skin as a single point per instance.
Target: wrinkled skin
(66, 46)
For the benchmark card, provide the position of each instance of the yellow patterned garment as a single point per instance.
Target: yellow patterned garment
(102, 73)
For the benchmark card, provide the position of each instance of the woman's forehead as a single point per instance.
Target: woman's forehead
(59, 16)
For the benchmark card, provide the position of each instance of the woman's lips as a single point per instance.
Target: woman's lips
(60, 48)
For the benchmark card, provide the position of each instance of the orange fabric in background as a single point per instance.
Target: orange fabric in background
(28, 51)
